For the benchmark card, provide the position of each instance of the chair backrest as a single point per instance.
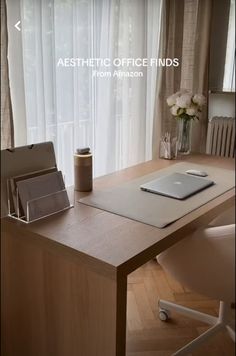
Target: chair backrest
(205, 262)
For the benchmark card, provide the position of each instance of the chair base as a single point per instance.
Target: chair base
(218, 323)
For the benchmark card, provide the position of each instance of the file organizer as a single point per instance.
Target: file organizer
(25, 160)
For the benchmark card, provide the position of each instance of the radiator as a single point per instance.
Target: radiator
(221, 136)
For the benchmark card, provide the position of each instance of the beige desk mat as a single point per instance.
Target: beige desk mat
(130, 201)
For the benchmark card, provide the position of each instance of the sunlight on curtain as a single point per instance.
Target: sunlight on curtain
(71, 107)
(229, 73)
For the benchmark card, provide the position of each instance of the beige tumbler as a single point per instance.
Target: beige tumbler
(83, 170)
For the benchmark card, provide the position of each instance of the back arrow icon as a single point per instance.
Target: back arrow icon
(17, 26)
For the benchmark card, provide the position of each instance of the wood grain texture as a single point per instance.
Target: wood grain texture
(148, 336)
(64, 278)
(117, 243)
(52, 305)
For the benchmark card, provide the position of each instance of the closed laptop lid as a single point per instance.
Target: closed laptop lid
(177, 185)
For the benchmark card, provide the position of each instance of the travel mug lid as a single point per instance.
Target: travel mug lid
(83, 151)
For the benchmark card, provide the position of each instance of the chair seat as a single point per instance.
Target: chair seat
(204, 262)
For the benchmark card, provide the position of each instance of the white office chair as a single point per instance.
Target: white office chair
(205, 263)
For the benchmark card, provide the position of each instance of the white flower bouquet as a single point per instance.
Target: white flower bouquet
(185, 105)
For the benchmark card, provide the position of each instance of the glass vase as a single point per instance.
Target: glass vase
(184, 135)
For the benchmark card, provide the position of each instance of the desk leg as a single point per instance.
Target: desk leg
(53, 305)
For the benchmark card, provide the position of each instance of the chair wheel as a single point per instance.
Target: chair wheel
(164, 315)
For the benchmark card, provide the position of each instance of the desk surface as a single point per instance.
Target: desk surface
(114, 244)
(64, 278)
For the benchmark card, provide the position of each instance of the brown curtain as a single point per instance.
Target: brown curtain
(185, 34)
(7, 133)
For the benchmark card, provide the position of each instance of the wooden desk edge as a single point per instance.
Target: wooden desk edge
(9, 225)
(185, 226)
(180, 229)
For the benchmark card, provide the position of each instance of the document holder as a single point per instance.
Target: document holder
(33, 211)
(25, 161)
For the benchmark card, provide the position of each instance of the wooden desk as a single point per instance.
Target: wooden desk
(64, 278)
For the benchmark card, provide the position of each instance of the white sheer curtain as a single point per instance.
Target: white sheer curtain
(67, 105)
(229, 72)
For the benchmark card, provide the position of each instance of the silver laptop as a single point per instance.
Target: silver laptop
(177, 185)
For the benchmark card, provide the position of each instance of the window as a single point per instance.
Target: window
(71, 105)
